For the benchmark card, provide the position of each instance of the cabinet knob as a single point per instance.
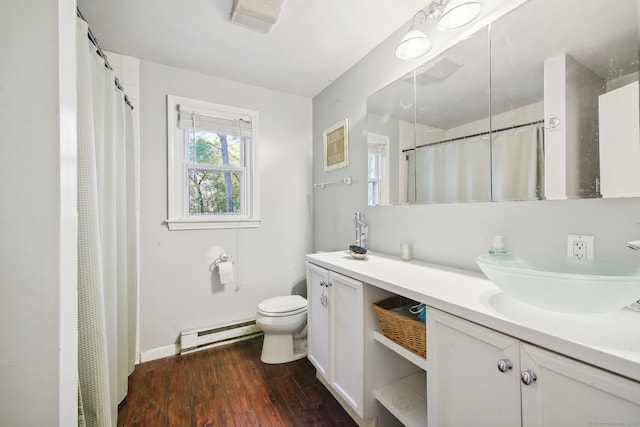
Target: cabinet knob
(528, 377)
(504, 365)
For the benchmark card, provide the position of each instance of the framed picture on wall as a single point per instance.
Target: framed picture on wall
(336, 146)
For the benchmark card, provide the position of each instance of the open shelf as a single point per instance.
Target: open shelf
(406, 399)
(410, 356)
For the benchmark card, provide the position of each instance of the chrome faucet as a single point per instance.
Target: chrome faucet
(634, 244)
(362, 229)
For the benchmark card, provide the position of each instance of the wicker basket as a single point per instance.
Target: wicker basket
(400, 326)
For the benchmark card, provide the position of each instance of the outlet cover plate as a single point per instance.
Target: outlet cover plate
(580, 246)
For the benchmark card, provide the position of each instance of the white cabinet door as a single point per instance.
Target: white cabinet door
(318, 318)
(347, 318)
(570, 393)
(336, 332)
(464, 385)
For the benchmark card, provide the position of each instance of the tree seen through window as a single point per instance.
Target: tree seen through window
(215, 172)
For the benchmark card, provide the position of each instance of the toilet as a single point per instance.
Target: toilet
(284, 323)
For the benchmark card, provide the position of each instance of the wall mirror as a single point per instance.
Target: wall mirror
(543, 104)
(390, 124)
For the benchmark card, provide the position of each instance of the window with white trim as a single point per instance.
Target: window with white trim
(378, 169)
(212, 171)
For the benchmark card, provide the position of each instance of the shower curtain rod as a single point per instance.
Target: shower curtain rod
(459, 138)
(94, 40)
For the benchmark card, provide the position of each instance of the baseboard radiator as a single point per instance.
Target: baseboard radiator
(209, 337)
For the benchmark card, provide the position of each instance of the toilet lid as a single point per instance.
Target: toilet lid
(289, 304)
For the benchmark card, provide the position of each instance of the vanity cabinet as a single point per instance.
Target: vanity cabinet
(465, 387)
(336, 332)
(477, 376)
(570, 393)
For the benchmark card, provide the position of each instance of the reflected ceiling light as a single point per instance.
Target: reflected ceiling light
(459, 13)
(451, 15)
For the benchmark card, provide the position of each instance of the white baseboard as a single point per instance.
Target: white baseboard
(174, 349)
(204, 338)
(159, 353)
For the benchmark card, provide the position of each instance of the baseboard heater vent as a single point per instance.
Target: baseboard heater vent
(203, 338)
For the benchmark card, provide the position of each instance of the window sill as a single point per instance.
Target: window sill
(204, 224)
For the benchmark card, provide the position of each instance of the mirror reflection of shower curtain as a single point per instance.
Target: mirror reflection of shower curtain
(456, 171)
(518, 164)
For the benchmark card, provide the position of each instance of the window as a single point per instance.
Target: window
(212, 172)
(378, 168)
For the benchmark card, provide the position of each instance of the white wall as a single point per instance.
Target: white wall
(38, 311)
(176, 290)
(452, 234)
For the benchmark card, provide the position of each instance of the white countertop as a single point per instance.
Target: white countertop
(610, 340)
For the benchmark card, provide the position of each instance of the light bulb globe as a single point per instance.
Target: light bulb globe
(413, 45)
(458, 14)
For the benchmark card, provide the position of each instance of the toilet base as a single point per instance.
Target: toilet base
(282, 348)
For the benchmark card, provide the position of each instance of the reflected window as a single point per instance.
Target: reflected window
(378, 167)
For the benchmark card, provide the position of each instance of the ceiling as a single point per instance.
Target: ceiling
(312, 44)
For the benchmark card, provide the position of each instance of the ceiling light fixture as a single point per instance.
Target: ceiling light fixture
(451, 15)
(459, 13)
(415, 43)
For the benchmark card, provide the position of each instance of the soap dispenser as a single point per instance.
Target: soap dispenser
(497, 247)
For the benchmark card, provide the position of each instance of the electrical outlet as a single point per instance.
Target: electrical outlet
(580, 246)
(579, 249)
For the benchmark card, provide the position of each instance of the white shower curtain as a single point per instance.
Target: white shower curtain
(107, 247)
(456, 171)
(509, 167)
(517, 164)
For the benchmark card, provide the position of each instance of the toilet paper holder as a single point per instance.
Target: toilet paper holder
(223, 257)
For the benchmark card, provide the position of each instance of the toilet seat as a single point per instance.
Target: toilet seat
(283, 306)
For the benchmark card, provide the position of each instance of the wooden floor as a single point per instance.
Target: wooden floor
(228, 386)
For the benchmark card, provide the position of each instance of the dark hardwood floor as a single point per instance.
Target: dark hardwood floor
(228, 386)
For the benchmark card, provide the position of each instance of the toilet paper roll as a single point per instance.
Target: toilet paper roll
(225, 269)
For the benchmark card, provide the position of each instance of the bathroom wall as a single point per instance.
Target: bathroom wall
(451, 234)
(176, 287)
(38, 299)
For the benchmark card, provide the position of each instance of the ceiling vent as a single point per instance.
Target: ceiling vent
(260, 15)
(439, 69)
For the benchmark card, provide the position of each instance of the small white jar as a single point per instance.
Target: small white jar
(405, 251)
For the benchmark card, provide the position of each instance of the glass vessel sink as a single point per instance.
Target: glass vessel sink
(564, 284)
